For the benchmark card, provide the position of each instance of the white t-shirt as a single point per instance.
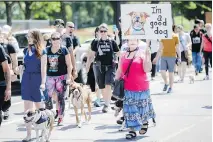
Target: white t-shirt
(142, 45)
(184, 40)
(154, 46)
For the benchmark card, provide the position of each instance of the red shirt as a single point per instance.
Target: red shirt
(137, 79)
(207, 44)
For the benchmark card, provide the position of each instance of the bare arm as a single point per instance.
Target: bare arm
(90, 58)
(43, 68)
(178, 51)
(72, 58)
(6, 70)
(14, 63)
(119, 70)
(69, 66)
(147, 63)
(189, 42)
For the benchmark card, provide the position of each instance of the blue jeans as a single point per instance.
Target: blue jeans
(197, 61)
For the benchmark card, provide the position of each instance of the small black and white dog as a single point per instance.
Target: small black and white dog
(42, 119)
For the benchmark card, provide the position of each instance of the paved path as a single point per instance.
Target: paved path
(183, 116)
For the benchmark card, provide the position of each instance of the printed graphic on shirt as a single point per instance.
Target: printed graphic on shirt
(53, 61)
(196, 40)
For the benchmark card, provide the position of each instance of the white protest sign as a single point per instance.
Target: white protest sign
(146, 21)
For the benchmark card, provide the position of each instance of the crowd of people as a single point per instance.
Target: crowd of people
(49, 67)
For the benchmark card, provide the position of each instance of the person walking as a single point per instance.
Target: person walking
(206, 46)
(90, 73)
(5, 80)
(184, 46)
(137, 105)
(196, 38)
(154, 46)
(12, 55)
(104, 65)
(58, 73)
(34, 75)
(167, 51)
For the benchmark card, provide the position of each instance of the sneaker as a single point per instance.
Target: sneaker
(60, 120)
(105, 109)
(97, 103)
(165, 87)
(120, 121)
(169, 90)
(6, 115)
(196, 73)
(206, 78)
(27, 139)
(117, 111)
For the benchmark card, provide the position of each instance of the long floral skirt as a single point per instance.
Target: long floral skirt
(138, 108)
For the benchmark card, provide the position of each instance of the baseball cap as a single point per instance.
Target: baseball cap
(103, 26)
(6, 29)
(58, 22)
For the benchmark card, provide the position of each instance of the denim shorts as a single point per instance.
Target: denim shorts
(168, 63)
(104, 75)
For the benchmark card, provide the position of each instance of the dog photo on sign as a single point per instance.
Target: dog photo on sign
(138, 19)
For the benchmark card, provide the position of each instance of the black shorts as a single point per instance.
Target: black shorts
(104, 75)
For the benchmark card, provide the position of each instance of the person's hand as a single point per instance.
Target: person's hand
(74, 74)
(42, 87)
(7, 94)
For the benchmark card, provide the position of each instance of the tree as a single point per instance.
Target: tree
(63, 12)
(9, 6)
(27, 9)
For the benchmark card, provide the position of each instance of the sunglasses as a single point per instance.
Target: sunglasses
(71, 27)
(103, 31)
(55, 38)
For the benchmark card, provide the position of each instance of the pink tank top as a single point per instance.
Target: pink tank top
(207, 44)
(137, 79)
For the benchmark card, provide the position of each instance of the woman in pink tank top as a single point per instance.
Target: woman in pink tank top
(137, 105)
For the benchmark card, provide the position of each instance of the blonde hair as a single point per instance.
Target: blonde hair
(208, 25)
(37, 41)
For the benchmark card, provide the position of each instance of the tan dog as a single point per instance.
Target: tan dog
(191, 79)
(80, 95)
(138, 19)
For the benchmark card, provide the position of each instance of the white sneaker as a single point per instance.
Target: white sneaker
(27, 139)
(206, 78)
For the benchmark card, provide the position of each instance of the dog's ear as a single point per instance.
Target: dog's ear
(131, 13)
(144, 14)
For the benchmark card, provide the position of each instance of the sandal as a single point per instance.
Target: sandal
(131, 135)
(144, 128)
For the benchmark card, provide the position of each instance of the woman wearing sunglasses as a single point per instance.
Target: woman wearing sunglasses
(34, 76)
(58, 73)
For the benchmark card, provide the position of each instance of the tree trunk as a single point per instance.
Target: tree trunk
(117, 11)
(9, 12)
(27, 10)
(63, 12)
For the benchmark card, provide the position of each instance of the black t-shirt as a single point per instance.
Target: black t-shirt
(104, 50)
(9, 48)
(56, 62)
(3, 58)
(75, 41)
(66, 41)
(196, 41)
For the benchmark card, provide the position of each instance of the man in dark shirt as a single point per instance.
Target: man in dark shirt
(5, 80)
(67, 42)
(104, 65)
(196, 38)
